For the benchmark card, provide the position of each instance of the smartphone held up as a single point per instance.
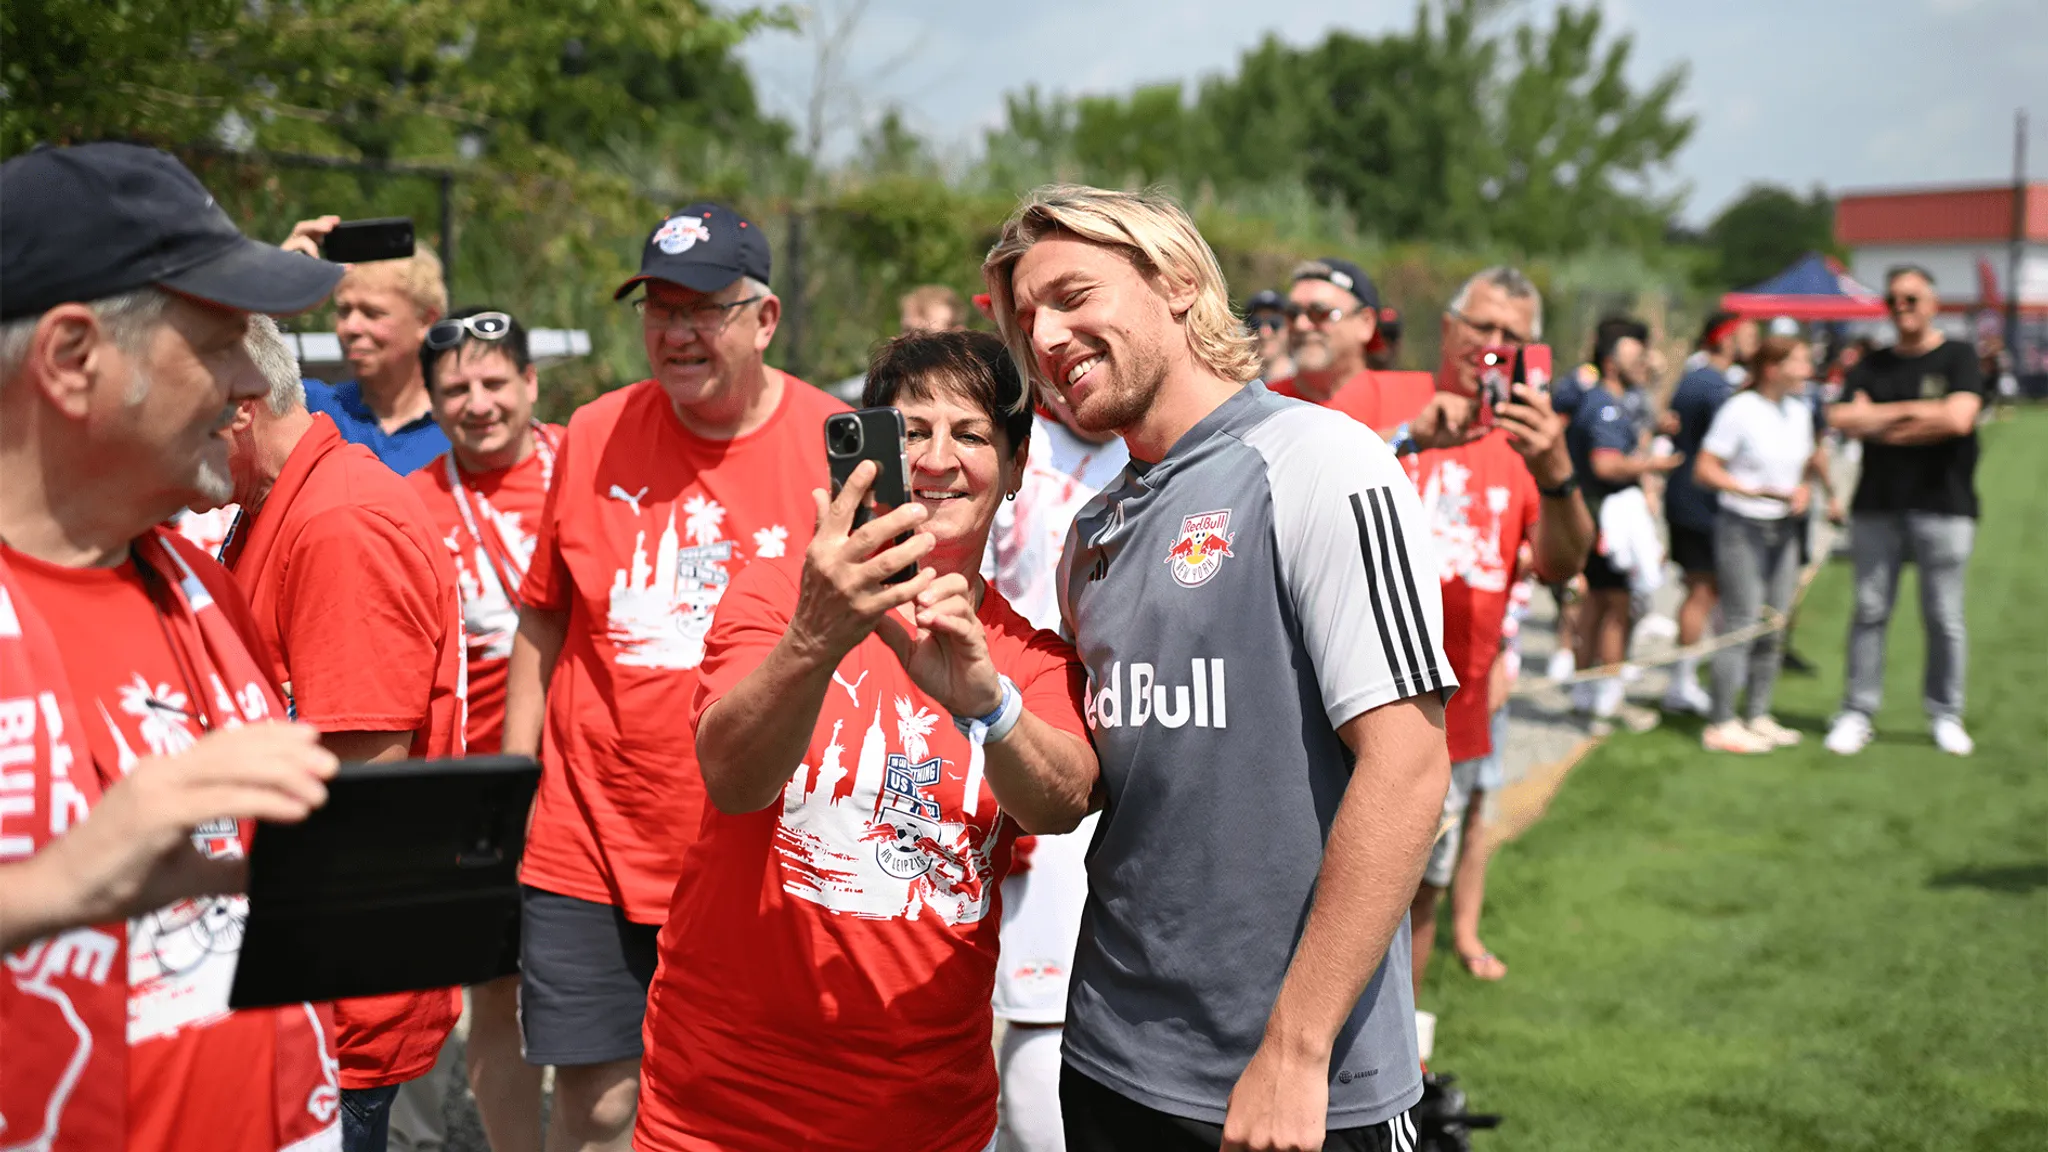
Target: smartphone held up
(1501, 367)
(361, 241)
(875, 434)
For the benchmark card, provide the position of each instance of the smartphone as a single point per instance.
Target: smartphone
(1503, 366)
(871, 434)
(360, 241)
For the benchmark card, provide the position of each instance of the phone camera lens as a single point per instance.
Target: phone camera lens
(846, 438)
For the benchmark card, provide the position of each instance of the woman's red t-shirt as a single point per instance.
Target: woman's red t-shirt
(827, 963)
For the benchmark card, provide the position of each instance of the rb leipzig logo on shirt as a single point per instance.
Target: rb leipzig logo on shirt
(1199, 551)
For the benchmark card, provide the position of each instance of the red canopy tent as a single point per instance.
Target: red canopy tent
(1814, 288)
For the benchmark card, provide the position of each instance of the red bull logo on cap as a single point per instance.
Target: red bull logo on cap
(1199, 550)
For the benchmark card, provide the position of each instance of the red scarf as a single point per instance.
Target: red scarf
(64, 999)
(483, 531)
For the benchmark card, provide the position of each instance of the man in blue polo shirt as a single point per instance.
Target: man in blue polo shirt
(382, 311)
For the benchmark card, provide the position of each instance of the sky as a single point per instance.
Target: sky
(1847, 94)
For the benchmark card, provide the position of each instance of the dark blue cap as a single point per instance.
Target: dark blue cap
(1348, 276)
(86, 223)
(704, 247)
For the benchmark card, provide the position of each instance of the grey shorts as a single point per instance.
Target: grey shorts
(1470, 781)
(583, 975)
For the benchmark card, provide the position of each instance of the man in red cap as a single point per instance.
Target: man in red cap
(355, 599)
(663, 491)
(138, 733)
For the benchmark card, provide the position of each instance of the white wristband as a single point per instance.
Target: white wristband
(997, 725)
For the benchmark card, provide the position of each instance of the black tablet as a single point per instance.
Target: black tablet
(407, 878)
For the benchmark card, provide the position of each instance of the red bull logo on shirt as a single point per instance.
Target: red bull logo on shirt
(1199, 550)
(1172, 705)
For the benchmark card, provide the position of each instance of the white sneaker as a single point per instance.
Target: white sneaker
(1775, 734)
(1582, 697)
(1562, 665)
(1850, 734)
(1733, 736)
(1950, 737)
(1687, 696)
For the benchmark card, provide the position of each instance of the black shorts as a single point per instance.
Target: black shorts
(1099, 1120)
(583, 975)
(1602, 576)
(1692, 550)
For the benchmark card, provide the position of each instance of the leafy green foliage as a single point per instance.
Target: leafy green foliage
(1450, 131)
(569, 127)
(1765, 229)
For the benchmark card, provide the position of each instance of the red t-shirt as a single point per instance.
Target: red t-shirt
(645, 525)
(828, 961)
(491, 547)
(355, 599)
(1378, 400)
(1481, 503)
(196, 1076)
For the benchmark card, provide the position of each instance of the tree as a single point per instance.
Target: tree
(71, 68)
(1449, 131)
(1573, 134)
(1765, 229)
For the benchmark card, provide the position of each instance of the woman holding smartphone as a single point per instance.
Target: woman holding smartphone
(871, 750)
(1758, 454)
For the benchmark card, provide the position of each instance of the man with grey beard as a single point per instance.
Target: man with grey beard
(138, 718)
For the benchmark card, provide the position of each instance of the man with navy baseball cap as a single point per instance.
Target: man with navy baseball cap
(664, 491)
(140, 732)
(1333, 313)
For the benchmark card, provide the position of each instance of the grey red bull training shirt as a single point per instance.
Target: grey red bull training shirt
(1236, 603)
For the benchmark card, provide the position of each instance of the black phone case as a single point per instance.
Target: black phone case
(358, 241)
(883, 441)
(407, 878)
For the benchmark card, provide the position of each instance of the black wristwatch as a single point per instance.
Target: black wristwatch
(1570, 485)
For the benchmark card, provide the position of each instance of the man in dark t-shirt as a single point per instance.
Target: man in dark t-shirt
(1914, 406)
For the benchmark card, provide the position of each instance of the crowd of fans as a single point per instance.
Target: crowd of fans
(804, 830)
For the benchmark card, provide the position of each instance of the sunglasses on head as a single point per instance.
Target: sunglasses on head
(482, 326)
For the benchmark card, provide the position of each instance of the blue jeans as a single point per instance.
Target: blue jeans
(366, 1118)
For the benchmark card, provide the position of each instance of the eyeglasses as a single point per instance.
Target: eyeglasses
(1903, 300)
(1268, 320)
(1318, 314)
(482, 326)
(1491, 333)
(707, 317)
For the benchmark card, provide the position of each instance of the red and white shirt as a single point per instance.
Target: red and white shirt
(827, 963)
(355, 600)
(490, 522)
(1480, 503)
(645, 526)
(118, 1036)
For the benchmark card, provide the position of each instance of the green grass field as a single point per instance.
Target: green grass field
(1796, 951)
